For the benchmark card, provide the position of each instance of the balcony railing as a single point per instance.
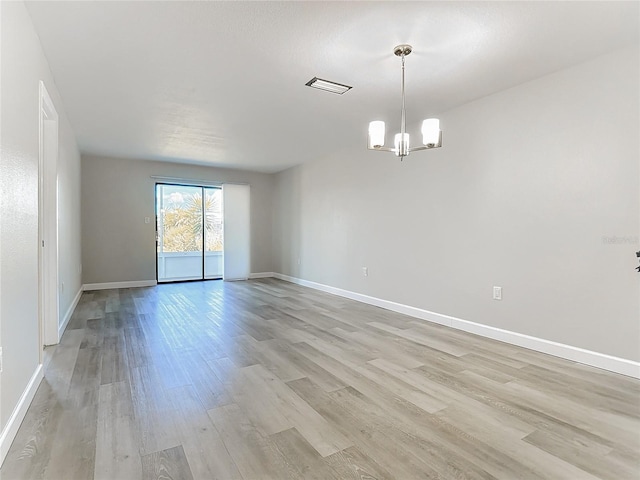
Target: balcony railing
(176, 266)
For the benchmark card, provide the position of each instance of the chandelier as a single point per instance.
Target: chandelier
(431, 133)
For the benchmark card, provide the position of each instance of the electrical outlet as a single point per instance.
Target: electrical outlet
(365, 271)
(497, 293)
(147, 219)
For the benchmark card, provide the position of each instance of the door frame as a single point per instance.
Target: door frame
(48, 269)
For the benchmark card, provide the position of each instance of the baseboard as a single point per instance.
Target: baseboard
(261, 275)
(153, 283)
(109, 285)
(70, 310)
(19, 412)
(568, 352)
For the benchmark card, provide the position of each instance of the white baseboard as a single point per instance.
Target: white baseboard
(261, 275)
(67, 316)
(19, 412)
(109, 285)
(153, 283)
(568, 352)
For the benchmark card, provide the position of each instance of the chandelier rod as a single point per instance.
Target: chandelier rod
(402, 119)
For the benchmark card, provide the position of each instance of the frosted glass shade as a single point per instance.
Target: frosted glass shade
(376, 134)
(402, 149)
(431, 131)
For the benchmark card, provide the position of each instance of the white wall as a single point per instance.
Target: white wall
(529, 187)
(117, 194)
(23, 66)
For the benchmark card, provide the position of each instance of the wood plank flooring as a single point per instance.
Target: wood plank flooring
(268, 380)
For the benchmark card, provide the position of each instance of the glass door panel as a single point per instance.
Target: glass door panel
(179, 232)
(212, 233)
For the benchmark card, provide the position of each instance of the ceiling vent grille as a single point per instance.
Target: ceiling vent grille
(328, 85)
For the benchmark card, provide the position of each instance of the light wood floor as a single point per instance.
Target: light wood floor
(265, 379)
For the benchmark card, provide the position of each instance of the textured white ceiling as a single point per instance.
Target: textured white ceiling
(223, 83)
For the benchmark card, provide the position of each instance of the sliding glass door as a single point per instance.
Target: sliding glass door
(189, 232)
(213, 253)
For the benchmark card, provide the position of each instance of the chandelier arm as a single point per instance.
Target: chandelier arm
(428, 147)
(382, 149)
(422, 147)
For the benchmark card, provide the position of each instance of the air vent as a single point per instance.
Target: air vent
(327, 85)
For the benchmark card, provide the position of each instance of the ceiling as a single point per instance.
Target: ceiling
(223, 83)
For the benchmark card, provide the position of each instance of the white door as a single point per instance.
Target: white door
(48, 221)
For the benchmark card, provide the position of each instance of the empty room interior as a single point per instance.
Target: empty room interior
(329, 240)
